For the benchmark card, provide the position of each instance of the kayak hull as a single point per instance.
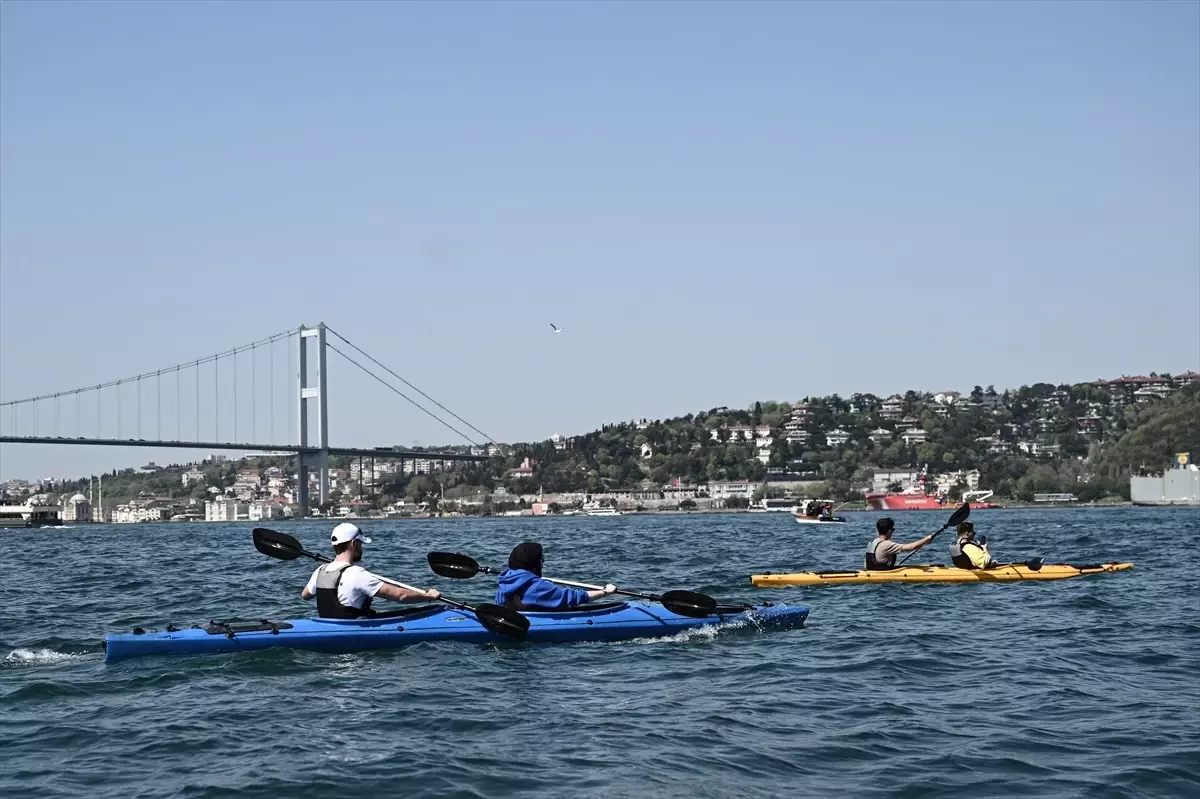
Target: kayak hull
(936, 574)
(610, 622)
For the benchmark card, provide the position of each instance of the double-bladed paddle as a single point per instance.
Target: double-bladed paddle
(685, 603)
(958, 517)
(497, 618)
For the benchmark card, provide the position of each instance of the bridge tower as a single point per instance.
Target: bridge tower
(311, 456)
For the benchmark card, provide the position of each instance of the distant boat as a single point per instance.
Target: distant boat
(766, 505)
(808, 513)
(32, 514)
(596, 509)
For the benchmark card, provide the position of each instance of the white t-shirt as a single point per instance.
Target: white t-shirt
(357, 585)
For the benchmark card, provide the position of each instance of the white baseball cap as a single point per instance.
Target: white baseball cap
(347, 532)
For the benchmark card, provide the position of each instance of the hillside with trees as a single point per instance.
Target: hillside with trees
(1085, 439)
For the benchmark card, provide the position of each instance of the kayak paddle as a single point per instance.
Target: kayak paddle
(685, 603)
(959, 516)
(498, 619)
(1034, 564)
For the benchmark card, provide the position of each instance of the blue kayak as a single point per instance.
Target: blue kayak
(612, 621)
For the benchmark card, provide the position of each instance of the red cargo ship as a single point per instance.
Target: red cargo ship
(915, 498)
(905, 500)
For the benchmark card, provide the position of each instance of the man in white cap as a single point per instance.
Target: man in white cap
(345, 590)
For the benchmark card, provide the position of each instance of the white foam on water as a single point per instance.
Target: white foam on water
(38, 657)
(696, 634)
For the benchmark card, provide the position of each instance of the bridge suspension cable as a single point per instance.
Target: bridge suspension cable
(405, 382)
(155, 373)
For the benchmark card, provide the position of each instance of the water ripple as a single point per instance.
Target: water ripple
(1079, 688)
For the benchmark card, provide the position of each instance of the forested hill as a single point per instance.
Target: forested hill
(1084, 438)
(1156, 433)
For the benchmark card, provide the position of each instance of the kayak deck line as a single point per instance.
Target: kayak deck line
(937, 573)
(611, 621)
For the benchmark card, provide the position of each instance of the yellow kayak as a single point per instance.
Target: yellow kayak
(937, 574)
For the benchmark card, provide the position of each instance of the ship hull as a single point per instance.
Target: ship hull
(903, 502)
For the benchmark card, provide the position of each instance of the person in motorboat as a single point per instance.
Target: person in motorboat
(343, 589)
(826, 514)
(968, 553)
(882, 551)
(522, 587)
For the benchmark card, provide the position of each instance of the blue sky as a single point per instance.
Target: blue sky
(718, 202)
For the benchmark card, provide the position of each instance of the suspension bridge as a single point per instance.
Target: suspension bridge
(184, 407)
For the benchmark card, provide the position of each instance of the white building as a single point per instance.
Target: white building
(916, 435)
(191, 477)
(945, 482)
(881, 480)
(797, 436)
(836, 437)
(891, 409)
(881, 435)
(226, 510)
(76, 510)
(264, 510)
(724, 489)
(136, 513)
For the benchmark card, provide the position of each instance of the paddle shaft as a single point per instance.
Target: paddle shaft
(586, 586)
(573, 584)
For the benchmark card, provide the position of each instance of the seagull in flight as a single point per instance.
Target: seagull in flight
(555, 328)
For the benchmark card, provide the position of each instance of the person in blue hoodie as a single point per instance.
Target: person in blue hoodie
(523, 588)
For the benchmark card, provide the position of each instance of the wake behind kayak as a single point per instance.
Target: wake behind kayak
(607, 622)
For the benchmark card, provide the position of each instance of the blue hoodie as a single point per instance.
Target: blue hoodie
(535, 592)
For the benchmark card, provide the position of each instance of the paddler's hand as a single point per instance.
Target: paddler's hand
(610, 589)
(433, 593)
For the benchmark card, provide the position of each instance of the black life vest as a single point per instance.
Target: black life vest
(874, 563)
(961, 559)
(329, 606)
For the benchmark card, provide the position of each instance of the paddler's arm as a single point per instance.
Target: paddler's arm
(915, 545)
(397, 594)
(310, 588)
(594, 595)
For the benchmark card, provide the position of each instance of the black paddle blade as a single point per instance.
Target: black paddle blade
(501, 620)
(689, 603)
(276, 544)
(453, 565)
(960, 515)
